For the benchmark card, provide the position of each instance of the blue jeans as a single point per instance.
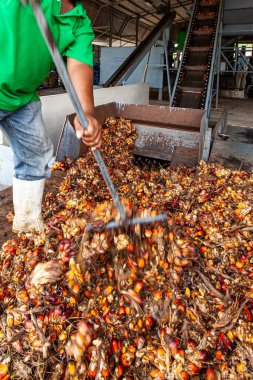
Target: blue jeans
(25, 130)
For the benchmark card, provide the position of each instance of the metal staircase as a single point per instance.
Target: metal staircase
(195, 78)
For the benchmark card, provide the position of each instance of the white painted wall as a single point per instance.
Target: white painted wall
(55, 108)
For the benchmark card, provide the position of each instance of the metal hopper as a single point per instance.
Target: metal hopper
(166, 133)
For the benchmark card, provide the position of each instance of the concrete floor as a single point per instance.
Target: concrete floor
(236, 151)
(240, 111)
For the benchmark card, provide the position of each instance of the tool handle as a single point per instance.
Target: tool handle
(60, 65)
(109, 183)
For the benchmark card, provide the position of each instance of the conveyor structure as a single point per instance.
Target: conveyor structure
(194, 82)
(133, 60)
(192, 91)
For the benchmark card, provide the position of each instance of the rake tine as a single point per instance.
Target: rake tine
(130, 222)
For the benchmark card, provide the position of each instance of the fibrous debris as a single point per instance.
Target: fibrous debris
(163, 301)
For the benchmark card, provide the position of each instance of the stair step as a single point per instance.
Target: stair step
(199, 49)
(210, 3)
(193, 90)
(203, 32)
(196, 68)
(205, 17)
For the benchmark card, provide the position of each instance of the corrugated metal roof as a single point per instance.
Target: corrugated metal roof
(116, 20)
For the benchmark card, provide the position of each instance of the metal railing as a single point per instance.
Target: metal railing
(230, 56)
(215, 61)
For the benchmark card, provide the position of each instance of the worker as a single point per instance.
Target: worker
(242, 68)
(25, 62)
(180, 45)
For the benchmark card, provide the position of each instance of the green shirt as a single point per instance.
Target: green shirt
(25, 60)
(181, 40)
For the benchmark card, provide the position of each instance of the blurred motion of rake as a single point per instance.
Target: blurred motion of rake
(59, 63)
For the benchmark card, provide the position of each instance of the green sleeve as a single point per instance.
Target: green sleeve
(81, 48)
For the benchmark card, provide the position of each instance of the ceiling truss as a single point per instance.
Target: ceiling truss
(120, 22)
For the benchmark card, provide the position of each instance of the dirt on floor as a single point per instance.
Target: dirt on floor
(6, 206)
(240, 111)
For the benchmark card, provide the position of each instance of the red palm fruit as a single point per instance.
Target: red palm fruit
(157, 295)
(177, 341)
(130, 247)
(148, 322)
(71, 369)
(108, 290)
(119, 371)
(114, 346)
(181, 309)
(184, 376)
(203, 248)
(192, 369)
(202, 355)
(210, 374)
(249, 315)
(181, 353)
(138, 286)
(110, 273)
(162, 334)
(219, 355)
(106, 311)
(3, 370)
(141, 263)
(148, 233)
(92, 372)
(132, 349)
(191, 344)
(132, 265)
(127, 358)
(105, 372)
(122, 310)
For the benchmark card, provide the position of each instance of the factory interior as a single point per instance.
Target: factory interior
(144, 266)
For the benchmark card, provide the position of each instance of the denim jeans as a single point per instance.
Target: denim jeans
(25, 131)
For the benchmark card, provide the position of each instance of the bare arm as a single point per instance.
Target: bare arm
(81, 76)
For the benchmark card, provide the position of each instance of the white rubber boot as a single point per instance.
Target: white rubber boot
(27, 199)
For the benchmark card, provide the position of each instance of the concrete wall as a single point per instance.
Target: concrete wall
(55, 108)
(235, 4)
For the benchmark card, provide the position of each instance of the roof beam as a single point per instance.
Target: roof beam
(145, 22)
(123, 8)
(143, 9)
(105, 6)
(183, 4)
